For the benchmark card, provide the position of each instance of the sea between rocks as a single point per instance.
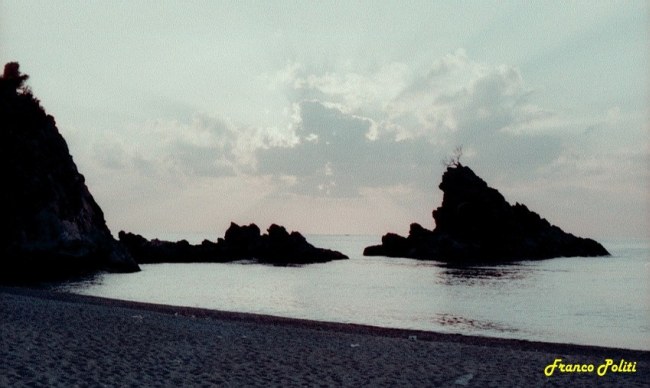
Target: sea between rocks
(593, 301)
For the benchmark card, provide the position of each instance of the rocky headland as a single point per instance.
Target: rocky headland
(476, 225)
(246, 242)
(52, 228)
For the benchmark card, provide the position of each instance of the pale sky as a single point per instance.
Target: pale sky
(333, 117)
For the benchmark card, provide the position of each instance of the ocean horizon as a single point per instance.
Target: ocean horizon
(599, 301)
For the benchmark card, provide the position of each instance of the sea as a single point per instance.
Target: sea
(601, 301)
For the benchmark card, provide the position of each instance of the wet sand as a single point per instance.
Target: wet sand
(57, 339)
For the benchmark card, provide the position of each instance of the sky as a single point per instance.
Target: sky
(334, 117)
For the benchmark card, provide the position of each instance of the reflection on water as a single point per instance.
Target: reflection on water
(464, 324)
(85, 282)
(483, 276)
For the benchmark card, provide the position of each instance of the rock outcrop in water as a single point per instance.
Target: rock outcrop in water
(52, 228)
(277, 247)
(475, 224)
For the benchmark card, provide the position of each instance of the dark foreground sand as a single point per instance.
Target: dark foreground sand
(54, 339)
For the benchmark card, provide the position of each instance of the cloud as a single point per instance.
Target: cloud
(336, 158)
(454, 94)
(345, 133)
(392, 126)
(204, 146)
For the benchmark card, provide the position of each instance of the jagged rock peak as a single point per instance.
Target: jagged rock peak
(475, 224)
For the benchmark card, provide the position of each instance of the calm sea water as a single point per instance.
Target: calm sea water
(595, 301)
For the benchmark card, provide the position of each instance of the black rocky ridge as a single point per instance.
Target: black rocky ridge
(476, 225)
(277, 247)
(52, 228)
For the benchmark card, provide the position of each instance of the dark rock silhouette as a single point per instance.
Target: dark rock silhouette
(277, 247)
(52, 228)
(475, 224)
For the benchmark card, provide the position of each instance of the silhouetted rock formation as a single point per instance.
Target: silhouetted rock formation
(475, 224)
(239, 243)
(52, 226)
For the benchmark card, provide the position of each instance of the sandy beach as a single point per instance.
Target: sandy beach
(56, 339)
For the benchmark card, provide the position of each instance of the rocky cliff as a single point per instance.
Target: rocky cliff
(475, 224)
(52, 228)
(246, 242)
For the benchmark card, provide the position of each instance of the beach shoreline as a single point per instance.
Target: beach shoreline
(55, 339)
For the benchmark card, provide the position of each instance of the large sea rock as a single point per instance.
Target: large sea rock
(52, 228)
(475, 224)
(245, 242)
